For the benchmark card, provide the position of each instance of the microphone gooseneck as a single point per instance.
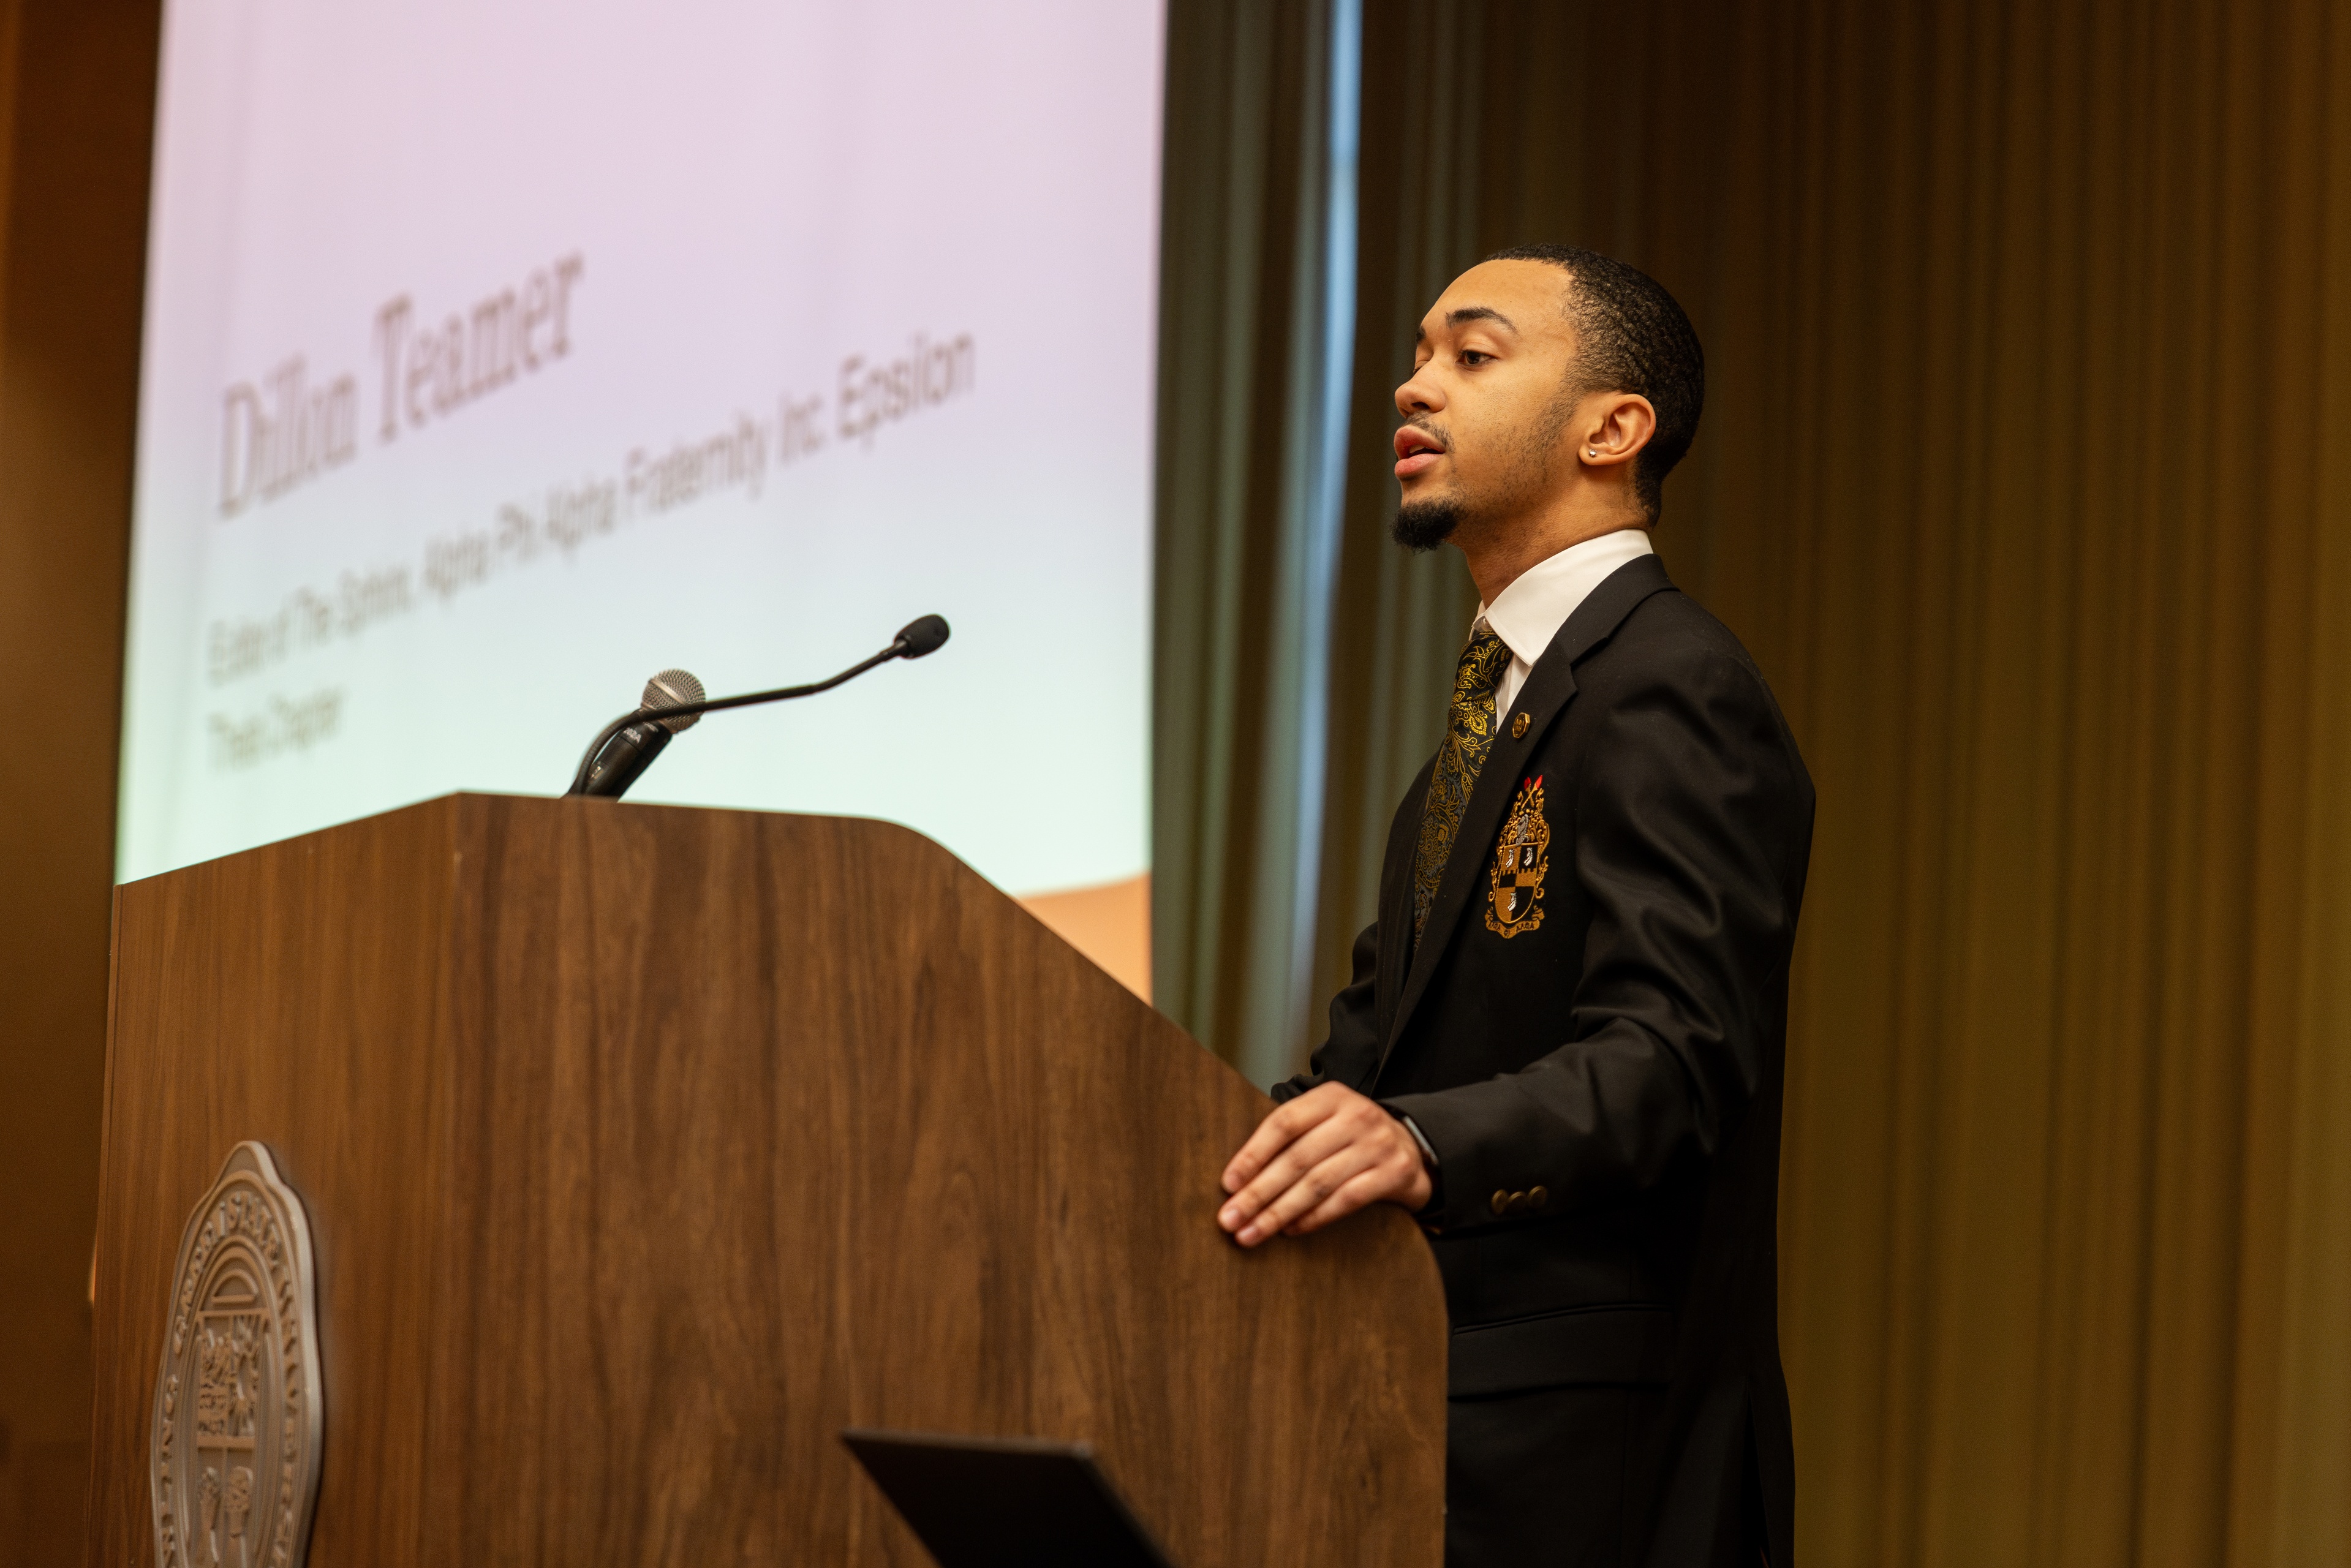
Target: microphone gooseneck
(674, 701)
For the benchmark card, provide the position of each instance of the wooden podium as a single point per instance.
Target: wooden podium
(645, 1149)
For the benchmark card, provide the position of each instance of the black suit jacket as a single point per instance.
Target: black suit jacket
(1602, 1086)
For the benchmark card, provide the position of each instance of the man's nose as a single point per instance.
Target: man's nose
(1418, 395)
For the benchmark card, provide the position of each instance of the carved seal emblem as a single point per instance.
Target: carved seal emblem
(233, 1455)
(1521, 859)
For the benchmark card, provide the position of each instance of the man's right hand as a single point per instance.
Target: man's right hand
(1320, 1157)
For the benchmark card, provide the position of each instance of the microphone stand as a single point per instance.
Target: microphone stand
(896, 649)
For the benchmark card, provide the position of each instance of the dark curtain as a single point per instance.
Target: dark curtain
(1243, 511)
(76, 130)
(1399, 619)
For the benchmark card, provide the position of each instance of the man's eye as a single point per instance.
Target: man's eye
(1474, 356)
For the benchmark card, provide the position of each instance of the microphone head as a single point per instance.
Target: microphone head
(917, 638)
(672, 688)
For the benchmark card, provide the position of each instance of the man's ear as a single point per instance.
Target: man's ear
(1615, 426)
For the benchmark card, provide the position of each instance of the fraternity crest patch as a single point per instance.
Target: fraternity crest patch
(1521, 859)
(233, 1456)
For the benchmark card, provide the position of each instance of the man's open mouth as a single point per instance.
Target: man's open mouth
(1416, 449)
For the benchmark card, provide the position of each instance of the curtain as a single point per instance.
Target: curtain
(77, 132)
(1398, 620)
(2026, 475)
(1246, 508)
(2027, 486)
(2024, 484)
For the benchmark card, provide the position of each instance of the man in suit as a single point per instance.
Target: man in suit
(1562, 1049)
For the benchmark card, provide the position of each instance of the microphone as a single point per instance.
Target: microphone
(625, 748)
(917, 638)
(632, 750)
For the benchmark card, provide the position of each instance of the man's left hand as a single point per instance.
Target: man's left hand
(1319, 1158)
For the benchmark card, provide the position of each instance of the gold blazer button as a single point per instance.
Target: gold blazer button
(1537, 1197)
(1518, 727)
(1502, 1202)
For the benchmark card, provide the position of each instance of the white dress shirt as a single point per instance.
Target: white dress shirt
(1528, 613)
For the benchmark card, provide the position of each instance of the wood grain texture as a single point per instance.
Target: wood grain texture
(647, 1148)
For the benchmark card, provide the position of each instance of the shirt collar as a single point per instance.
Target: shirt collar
(1528, 613)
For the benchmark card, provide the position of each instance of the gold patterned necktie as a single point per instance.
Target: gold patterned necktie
(1468, 735)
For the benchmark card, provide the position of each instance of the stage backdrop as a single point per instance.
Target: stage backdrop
(499, 353)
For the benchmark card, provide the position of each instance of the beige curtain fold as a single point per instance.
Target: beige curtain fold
(2025, 326)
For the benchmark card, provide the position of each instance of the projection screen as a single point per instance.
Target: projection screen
(501, 353)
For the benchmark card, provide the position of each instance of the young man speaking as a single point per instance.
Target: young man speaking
(1563, 1046)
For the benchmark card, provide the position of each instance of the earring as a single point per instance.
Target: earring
(1592, 452)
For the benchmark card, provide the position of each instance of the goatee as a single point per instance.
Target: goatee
(1425, 524)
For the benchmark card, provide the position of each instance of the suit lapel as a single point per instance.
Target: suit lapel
(1549, 686)
(1395, 902)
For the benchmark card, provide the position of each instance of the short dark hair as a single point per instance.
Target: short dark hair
(1632, 337)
